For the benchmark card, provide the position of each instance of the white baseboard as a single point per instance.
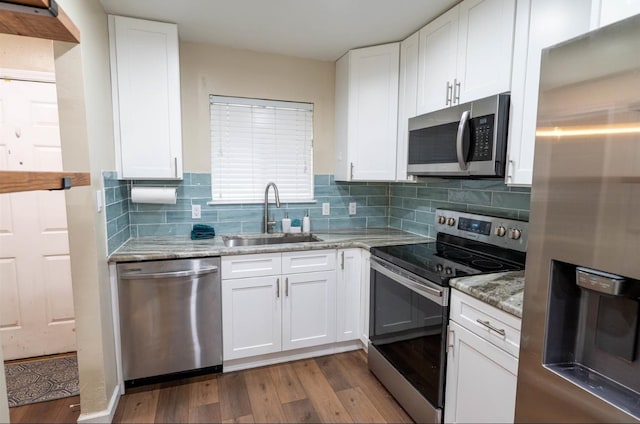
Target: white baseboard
(293, 355)
(106, 415)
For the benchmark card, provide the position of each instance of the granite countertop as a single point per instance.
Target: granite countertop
(503, 290)
(176, 247)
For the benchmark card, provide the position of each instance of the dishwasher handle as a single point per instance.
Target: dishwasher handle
(171, 274)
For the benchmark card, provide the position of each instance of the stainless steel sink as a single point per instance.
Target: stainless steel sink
(264, 239)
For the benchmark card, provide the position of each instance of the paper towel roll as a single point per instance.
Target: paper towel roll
(154, 195)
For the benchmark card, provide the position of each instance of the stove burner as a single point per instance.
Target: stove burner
(487, 264)
(456, 254)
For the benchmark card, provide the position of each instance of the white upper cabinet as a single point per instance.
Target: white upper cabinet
(367, 113)
(145, 79)
(465, 54)
(605, 12)
(407, 99)
(539, 24)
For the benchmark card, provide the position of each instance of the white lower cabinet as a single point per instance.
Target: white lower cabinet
(277, 311)
(348, 301)
(482, 364)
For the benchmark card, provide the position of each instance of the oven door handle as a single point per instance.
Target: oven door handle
(432, 294)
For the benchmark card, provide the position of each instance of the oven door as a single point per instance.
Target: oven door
(408, 320)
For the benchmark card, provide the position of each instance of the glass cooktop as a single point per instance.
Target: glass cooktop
(449, 257)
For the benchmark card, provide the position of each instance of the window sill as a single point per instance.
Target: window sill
(256, 202)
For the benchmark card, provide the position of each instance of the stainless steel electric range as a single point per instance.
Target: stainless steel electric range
(409, 304)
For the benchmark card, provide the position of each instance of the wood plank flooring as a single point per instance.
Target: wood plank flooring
(333, 389)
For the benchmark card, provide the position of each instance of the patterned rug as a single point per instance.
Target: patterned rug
(41, 380)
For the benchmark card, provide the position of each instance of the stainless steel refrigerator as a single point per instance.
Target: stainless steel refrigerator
(579, 355)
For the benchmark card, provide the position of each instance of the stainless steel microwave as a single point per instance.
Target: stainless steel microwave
(469, 139)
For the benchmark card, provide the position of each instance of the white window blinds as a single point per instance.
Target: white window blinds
(256, 141)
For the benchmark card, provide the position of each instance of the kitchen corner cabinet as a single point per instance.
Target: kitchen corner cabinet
(364, 298)
(407, 100)
(465, 54)
(145, 82)
(605, 12)
(349, 284)
(277, 301)
(366, 113)
(482, 363)
(539, 24)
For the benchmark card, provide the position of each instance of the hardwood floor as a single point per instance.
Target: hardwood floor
(66, 410)
(334, 389)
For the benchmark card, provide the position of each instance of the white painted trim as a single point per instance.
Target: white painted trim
(24, 75)
(292, 355)
(106, 415)
(115, 306)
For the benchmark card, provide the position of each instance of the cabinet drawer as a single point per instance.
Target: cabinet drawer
(260, 265)
(309, 261)
(471, 313)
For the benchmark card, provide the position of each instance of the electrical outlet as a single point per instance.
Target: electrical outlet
(326, 209)
(196, 211)
(352, 208)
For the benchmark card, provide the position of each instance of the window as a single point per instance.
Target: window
(256, 141)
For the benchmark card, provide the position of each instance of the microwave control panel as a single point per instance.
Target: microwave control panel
(482, 138)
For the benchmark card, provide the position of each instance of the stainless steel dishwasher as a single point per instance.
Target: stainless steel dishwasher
(170, 318)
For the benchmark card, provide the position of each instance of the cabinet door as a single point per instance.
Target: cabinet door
(605, 12)
(251, 316)
(309, 309)
(481, 380)
(146, 98)
(407, 99)
(373, 112)
(364, 297)
(485, 44)
(437, 62)
(540, 23)
(348, 294)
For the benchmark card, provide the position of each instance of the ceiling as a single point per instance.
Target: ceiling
(318, 29)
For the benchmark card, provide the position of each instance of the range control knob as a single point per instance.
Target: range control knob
(439, 267)
(514, 233)
(448, 271)
(501, 231)
(442, 219)
(451, 222)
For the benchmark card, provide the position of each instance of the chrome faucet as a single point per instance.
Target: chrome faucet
(268, 223)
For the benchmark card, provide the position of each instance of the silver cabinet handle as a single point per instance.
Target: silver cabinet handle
(351, 171)
(342, 261)
(172, 274)
(286, 287)
(449, 88)
(463, 128)
(491, 327)
(175, 166)
(450, 339)
(277, 288)
(456, 91)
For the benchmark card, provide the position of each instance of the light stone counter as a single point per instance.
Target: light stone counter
(176, 247)
(503, 290)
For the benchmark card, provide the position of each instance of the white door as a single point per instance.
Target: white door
(348, 300)
(485, 45)
(481, 380)
(36, 301)
(309, 309)
(437, 62)
(251, 316)
(373, 112)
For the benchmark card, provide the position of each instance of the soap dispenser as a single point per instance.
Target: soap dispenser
(286, 223)
(306, 223)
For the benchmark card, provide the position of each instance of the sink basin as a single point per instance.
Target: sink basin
(264, 239)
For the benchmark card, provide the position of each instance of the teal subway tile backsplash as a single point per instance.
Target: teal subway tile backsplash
(414, 210)
(407, 206)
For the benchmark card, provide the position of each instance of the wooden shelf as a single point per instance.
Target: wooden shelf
(34, 18)
(14, 181)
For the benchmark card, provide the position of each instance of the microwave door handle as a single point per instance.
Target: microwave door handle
(462, 140)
